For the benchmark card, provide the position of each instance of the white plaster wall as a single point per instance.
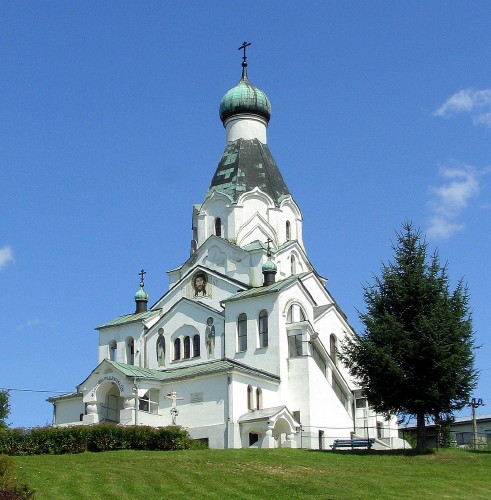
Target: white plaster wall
(262, 358)
(189, 320)
(240, 382)
(68, 411)
(120, 334)
(245, 127)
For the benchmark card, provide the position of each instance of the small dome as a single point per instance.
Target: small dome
(245, 98)
(270, 266)
(141, 294)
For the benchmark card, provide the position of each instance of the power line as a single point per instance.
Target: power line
(30, 390)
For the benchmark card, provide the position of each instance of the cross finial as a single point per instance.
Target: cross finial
(142, 273)
(244, 58)
(268, 242)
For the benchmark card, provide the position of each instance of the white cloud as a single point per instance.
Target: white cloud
(32, 323)
(449, 200)
(477, 103)
(6, 256)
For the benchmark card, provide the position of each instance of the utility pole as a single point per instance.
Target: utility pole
(474, 403)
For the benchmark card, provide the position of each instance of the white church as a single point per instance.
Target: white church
(242, 350)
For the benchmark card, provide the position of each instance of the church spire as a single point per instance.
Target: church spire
(141, 297)
(244, 59)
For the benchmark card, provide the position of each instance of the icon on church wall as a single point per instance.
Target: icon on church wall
(199, 286)
(160, 347)
(210, 338)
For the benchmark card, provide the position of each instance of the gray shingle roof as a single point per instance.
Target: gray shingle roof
(246, 164)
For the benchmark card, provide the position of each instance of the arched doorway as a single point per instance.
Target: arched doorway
(281, 431)
(111, 402)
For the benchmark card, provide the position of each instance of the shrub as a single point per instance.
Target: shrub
(78, 439)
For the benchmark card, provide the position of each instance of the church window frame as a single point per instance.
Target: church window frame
(333, 348)
(259, 398)
(293, 264)
(187, 347)
(242, 332)
(196, 346)
(218, 227)
(288, 230)
(130, 350)
(250, 403)
(263, 328)
(113, 351)
(295, 314)
(149, 401)
(177, 349)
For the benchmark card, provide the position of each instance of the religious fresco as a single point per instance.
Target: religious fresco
(210, 338)
(160, 347)
(199, 286)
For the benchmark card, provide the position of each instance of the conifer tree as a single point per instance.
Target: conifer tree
(415, 357)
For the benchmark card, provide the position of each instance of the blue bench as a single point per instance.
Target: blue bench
(353, 443)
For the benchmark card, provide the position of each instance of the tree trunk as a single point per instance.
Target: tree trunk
(421, 432)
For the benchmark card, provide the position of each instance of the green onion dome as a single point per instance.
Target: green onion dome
(141, 294)
(245, 98)
(269, 266)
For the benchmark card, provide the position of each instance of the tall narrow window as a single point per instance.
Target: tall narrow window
(130, 351)
(293, 265)
(113, 350)
(177, 349)
(196, 346)
(218, 227)
(259, 398)
(187, 347)
(250, 406)
(332, 348)
(242, 332)
(263, 329)
(288, 231)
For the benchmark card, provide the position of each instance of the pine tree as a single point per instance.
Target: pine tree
(415, 357)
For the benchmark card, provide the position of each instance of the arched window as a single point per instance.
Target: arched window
(250, 405)
(263, 329)
(218, 227)
(259, 398)
(160, 347)
(196, 346)
(289, 315)
(288, 231)
(187, 347)
(130, 351)
(177, 349)
(333, 348)
(295, 314)
(293, 265)
(301, 314)
(242, 332)
(113, 350)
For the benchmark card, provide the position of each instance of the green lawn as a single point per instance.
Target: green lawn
(251, 474)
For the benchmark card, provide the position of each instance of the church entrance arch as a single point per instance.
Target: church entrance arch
(281, 431)
(111, 402)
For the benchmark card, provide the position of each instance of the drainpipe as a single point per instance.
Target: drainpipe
(227, 411)
(136, 400)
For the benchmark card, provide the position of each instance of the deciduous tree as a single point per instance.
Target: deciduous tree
(4, 408)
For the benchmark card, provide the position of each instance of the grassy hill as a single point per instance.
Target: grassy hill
(251, 474)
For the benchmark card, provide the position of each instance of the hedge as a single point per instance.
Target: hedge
(78, 439)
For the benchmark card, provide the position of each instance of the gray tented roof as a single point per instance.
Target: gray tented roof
(246, 164)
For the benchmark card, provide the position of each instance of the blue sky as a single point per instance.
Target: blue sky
(381, 112)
